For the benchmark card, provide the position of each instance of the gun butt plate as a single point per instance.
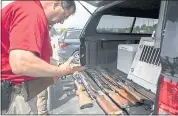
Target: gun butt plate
(89, 105)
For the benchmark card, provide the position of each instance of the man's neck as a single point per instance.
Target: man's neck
(46, 7)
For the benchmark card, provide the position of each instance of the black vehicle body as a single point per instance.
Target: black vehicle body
(100, 48)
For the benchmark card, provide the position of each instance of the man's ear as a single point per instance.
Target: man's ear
(57, 3)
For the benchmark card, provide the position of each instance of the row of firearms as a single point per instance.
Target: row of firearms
(120, 94)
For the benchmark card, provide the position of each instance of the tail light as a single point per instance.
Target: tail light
(63, 45)
(167, 96)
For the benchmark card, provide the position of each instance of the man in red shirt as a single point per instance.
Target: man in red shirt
(26, 48)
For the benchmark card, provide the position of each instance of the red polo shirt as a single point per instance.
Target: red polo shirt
(25, 27)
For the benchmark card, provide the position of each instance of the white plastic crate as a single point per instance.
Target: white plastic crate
(125, 56)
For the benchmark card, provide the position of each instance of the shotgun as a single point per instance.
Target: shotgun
(106, 106)
(84, 100)
(135, 94)
(138, 96)
(119, 100)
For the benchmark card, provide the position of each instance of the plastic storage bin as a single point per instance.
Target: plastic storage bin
(125, 56)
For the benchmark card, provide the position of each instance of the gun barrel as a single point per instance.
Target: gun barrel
(90, 90)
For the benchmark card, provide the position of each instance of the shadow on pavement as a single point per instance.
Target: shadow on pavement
(61, 92)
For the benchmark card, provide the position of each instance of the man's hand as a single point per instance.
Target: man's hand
(69, 68)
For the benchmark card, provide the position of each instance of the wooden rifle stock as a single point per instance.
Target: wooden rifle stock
(126, 95)
(135, 94)
(84, 100)
(107, 106)
(122, 102)
(138, 97)
(119, 100)
(120, 91)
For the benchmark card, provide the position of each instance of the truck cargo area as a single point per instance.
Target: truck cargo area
(124, 55)
(119, 69)
(118, 64)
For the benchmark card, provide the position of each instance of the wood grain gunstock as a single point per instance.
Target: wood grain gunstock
(121, 92)
(135, 94)
(119, 100)
(126, 95)
(84, 100)
(132, 95)
(107, 106)
(122, 102)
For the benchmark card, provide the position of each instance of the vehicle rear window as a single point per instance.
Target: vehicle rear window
(72, 35)
(123, 24)
(145, 25)
(115, 24)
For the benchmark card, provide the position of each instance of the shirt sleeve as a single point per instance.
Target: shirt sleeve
(27, 32)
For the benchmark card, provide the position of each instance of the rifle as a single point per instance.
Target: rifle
(145, 92)
(119, 100)
(84, 100)
(106, 106)
(136, 95)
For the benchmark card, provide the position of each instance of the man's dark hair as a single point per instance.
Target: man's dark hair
(68, 4)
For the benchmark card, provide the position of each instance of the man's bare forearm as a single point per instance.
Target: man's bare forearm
(53, 62)
(26, 63)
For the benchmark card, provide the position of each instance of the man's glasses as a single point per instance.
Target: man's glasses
(66, 15)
